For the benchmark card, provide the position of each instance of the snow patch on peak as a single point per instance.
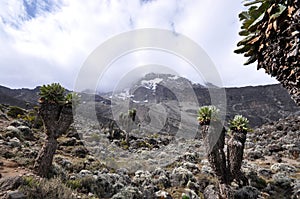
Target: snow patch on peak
(173, 77)
(151, 84)
(124, 95)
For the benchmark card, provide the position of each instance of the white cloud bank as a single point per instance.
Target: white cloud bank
(48, 41)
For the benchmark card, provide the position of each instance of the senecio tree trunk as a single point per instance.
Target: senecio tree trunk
(236, 145)
(127, 123)
(214, 142)
(57, 117)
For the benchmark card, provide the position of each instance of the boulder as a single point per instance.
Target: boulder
(68, 142)
(109, 184)
(11, 132)
(247, 192)
(142, 178)
(14, 142)
(161, 177)
(190, 194)
(26, 132)
(80, 152)
(281, 167)
(191, 167)
(253, 155)
(15, 195)
(73, 134)
(296, 189)
(128, 193)
(211, 193)
(10, 183)
(267, 173)
(84, 173)
(180, 176)
(163, 195)
(282, 180)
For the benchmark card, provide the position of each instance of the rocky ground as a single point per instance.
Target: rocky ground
(91, 163)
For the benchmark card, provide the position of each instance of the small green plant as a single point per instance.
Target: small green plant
(239, 123)
(95, 137)
(30, 181)
(33, 118)
(74, 184)
(185, 197)
(155, 135)
(15, 112)
(124, 144)
(207, 114)
(132, 114)
(45, 188)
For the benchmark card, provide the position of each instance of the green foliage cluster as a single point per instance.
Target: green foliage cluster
(74, 184)
(210, 113)
(2, 107)
(16, 112)
(127, 121)
(132, 114)
(185, 197)
(124, 144)
(33, 118)
(55, 93)
(207, 114)
(72, 99)
(239, 123)
(252, 20)
(95, 137)
(85, 184)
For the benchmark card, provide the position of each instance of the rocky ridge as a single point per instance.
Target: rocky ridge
(172, 94)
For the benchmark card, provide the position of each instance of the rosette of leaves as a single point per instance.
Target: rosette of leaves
(207, 114)
(55, 93)
(52, 93)
(132, 114)
(239, 124)
(72, 99)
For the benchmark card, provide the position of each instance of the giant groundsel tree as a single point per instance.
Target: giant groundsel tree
(272, 38)
(56, 113)
(226, 166)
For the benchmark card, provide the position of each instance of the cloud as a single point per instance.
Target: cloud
(45, 41)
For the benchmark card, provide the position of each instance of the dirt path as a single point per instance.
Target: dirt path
(9, 168)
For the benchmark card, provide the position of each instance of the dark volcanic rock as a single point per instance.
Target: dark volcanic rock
(268, 140)
(24, 98)
(10, 183)
(260, 104)
(247, 192)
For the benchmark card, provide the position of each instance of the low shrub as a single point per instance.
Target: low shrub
(15, 112)
(45, 188)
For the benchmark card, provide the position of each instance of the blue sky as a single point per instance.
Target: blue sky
(45, 41)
